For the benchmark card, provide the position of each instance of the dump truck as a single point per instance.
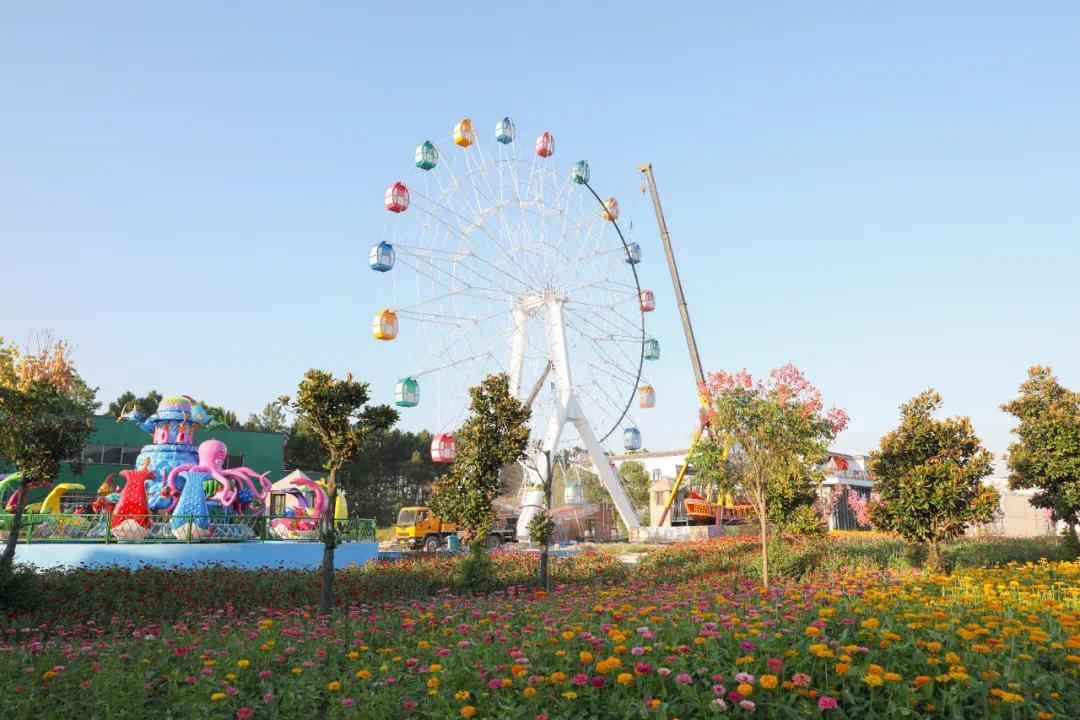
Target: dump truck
(418, 528)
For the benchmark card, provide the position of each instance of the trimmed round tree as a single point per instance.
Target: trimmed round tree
(495, 433)
(928, 474)
(1046, 454)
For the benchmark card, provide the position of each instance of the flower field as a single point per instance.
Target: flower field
(862, 643)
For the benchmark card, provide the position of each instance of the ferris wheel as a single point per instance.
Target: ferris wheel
(493, 261)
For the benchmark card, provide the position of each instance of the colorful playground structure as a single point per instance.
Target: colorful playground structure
(180, 491)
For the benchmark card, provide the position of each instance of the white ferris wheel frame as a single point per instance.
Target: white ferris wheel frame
(525, 213)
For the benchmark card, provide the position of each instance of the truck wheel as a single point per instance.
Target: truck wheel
(494, 541)
(432, 543)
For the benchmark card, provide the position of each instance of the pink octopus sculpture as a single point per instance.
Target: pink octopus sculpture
(233, 495)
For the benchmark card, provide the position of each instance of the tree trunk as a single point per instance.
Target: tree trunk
(933, 556)
(547, 507)
(7, 561)
(329, 538)
(764, 548)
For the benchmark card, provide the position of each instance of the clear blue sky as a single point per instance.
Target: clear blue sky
(885, 194)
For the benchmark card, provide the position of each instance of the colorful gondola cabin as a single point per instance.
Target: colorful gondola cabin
(464, 135)
(385, 325)
(427, 156)
(442, 448)
(397, 197)
(382, 257)
(407, 392)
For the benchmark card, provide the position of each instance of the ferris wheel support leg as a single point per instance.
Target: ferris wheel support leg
(536, 470)
(607, 475)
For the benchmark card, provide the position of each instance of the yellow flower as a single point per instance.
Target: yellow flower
(468, 711)
(354, 655)
(841, 668)
(921, 680)
(893, 677)
(217, 696)
(870, 623)
(557, 677)
(768, 681)
(242, 663)
(363, 674)
(585, 657)
(529, 691)
(461, 695)
(567, 635)
(745, 689)
(230, 676)
(570, 695)
(433, 682)
(625, 679)
(333, 686)
(266, 623)
(423, 645)
(297, 671)
(872, 680)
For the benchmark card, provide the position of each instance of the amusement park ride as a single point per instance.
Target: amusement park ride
(494, 262)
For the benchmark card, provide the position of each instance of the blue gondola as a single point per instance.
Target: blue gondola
(382, 257)
(631, 438)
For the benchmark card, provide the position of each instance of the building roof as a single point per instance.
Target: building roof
(648, 455)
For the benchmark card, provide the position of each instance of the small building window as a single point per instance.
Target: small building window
(129, 455)
(234, 461)
(92, 453)
(112, 454)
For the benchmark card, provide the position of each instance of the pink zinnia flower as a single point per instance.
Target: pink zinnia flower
(598, 681)
(265, 674)
(748, 705)
(409, 704)
(244, 712)
(826, 703)
(348, 702)
(664, 672)
(580, 679)
(801, 680)
(683, 679)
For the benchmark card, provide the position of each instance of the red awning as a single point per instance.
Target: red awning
(839, 462)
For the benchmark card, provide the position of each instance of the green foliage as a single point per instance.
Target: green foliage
(270, 419)
(1046, 454)
(22, 589)
(635, 480)
(336, 412)
(495, 433)
(129, 401)
(928, 475)
(477, 570)
(542, 528)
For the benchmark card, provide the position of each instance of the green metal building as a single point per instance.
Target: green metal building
(115, 445)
